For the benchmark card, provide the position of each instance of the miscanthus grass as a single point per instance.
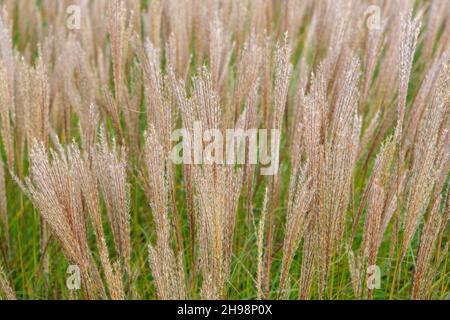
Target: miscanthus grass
(92, 92)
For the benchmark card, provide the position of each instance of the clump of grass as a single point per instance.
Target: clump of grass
(166, 264)
(87, 114)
